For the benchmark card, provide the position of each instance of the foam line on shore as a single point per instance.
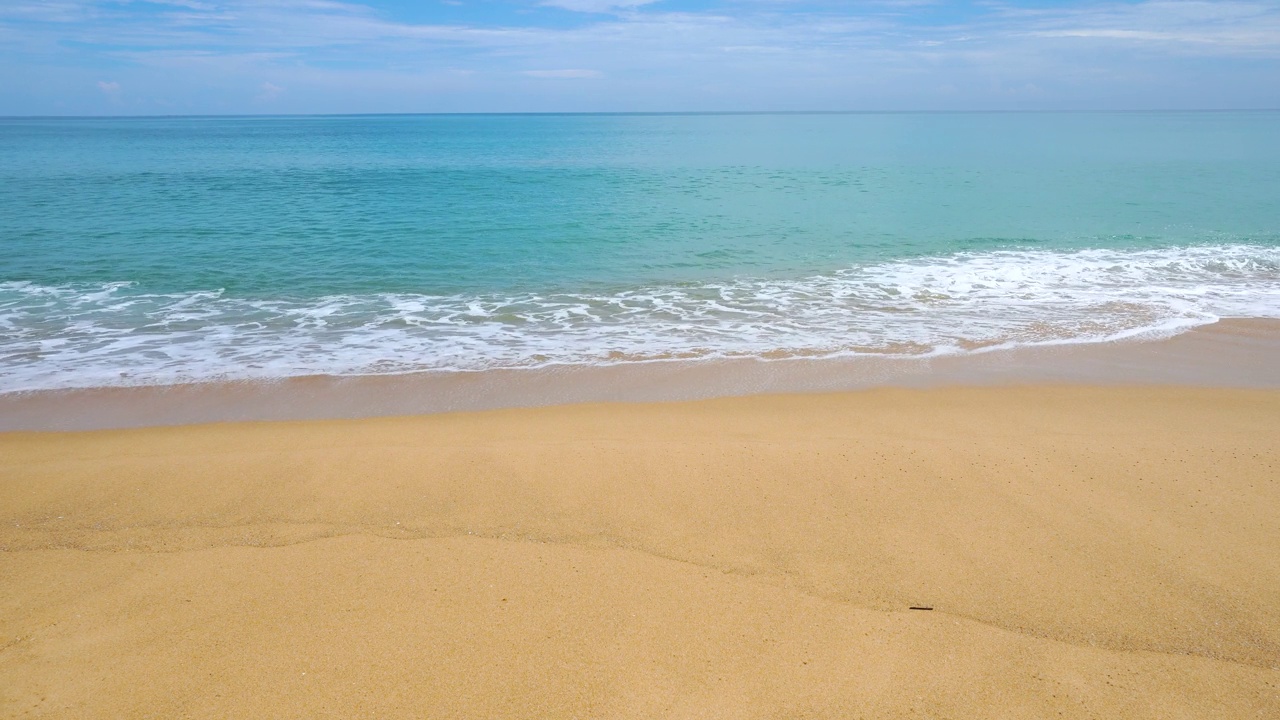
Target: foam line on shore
(124, 334)
(1231, 353)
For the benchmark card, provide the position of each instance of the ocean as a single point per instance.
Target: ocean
(150, 251)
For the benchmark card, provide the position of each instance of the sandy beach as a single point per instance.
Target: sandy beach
(1085, 551)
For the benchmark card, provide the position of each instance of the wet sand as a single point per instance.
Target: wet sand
(1086, 551)
(1241, 352)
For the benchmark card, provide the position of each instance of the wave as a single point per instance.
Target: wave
(118, 334)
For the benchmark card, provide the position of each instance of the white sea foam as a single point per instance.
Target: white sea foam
(116, 334)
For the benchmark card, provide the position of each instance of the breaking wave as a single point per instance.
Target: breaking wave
(118, 334)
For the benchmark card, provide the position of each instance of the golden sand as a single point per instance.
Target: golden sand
(1087, 552)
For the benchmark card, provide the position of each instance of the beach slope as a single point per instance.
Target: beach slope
(1084, 552)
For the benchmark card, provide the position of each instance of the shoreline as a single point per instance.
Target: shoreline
(1087, 551)
(1236, 352)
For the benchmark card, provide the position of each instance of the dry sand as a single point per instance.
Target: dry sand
(1087, 552)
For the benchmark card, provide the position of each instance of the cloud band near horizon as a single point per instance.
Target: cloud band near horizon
(302, 56)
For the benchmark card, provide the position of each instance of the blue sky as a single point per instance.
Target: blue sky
(131, 57)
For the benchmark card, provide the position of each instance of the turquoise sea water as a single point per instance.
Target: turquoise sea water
(177, 249)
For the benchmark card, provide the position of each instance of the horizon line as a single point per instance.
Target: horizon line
(635, 113)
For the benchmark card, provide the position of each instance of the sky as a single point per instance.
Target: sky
(173, 57)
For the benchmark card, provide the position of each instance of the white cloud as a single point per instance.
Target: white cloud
(269, 91)
(110, 89)
(596, 6)
(769, 54)
(191, 4)
(572, 74)
(53, 11)
(1226, 28)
